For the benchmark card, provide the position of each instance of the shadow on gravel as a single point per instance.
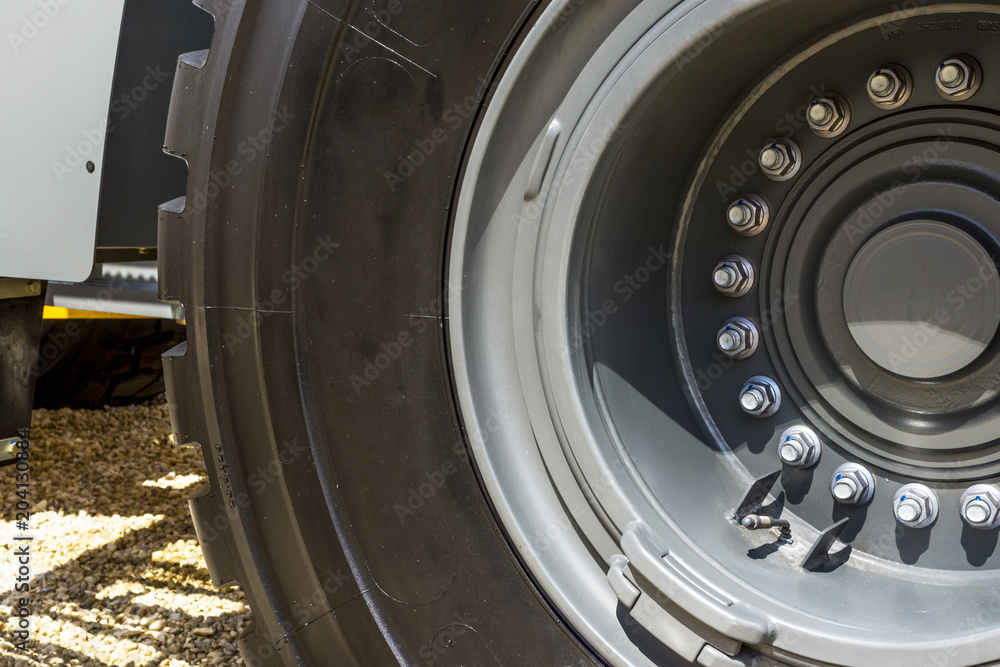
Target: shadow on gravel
(117, 575)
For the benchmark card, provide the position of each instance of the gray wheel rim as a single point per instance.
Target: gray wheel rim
(632, 536)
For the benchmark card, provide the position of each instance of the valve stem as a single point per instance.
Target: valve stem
(781, 527)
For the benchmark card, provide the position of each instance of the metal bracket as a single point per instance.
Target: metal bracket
(819, 554)
(15, 288)
(756, 495)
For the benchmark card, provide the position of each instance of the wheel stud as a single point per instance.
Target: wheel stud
(799, 447)
(959, 77)
(852, 484)
(760, 397)
(980, 506)
(748, 216)
(738, 338)
(733, 276)
(915, 506)
(890, 87)
(829, 115)
(780, 161)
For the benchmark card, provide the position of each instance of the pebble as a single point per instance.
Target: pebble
(119, 578)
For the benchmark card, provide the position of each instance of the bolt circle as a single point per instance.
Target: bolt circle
(733, 276)
(752, 399)
(781, 160)
(952, 76)
(852, 484)
(740, 214)
(725, 277)
(959, 77)
(829, 116)
(760, 397)
(915, 506)
(748, 215)
(730, 340)
(980, 506)
(881, 85)
(844, 489)
(908, 510)
(799, 447)
(821, 112)
(738, 338)
(771, 158)
(890, 87)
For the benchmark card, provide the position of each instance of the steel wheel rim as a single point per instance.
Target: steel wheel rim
(555, 442)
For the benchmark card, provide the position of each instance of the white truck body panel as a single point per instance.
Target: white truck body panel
(57, 67)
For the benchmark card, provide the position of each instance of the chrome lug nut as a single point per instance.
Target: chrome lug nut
(760, 397)
(738, 338)
(780, 160)
(829, 115)
(852, 484)
(890, 87)
(980, 506)
(749, 215)
(959, 77)
(915, 506)
(799, 447)
(733, 276)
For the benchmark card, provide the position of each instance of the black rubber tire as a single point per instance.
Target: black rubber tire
(342, 499)
(93, 363)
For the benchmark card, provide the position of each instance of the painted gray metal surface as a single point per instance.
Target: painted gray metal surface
(56, 70)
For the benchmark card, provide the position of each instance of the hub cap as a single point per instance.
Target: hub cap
(922, 299)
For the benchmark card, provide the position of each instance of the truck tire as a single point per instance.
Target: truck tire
(513, 329)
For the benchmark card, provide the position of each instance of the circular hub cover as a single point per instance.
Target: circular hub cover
(922, 299)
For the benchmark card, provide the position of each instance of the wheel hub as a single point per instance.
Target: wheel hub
(922, 299)
(709, 324)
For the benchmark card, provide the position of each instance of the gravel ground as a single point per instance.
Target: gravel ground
(118, 578)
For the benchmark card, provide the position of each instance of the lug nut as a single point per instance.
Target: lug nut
(980, 506)
(852, 484)
(890, 87)
(738, 338)
(959, 77)
(915, 506)
(799, 447)
(733, 276)
(829, 115)
(760, 397)
(749, 215)
(780, 161)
